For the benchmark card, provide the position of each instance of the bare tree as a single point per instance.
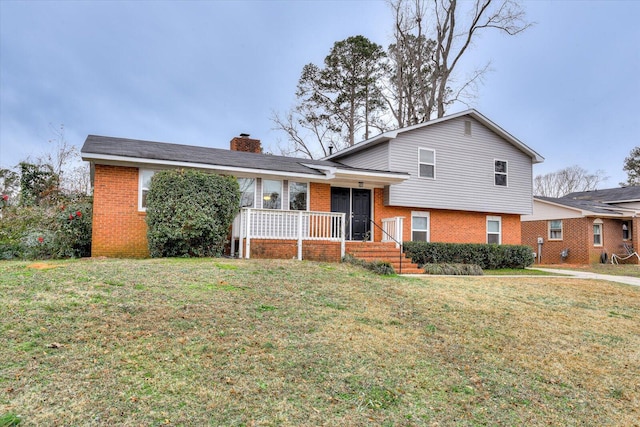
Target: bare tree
(307, 136)
(409, 66)
(453, 32)
(567, 180)
(64, 159)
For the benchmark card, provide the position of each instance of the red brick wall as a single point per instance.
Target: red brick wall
(320, 197)
(577, 236)
(449, 226)
(119, 229)
(288, 249)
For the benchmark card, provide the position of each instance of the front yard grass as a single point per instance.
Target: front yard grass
(231, 342)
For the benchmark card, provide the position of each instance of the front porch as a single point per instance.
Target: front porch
(316, 236)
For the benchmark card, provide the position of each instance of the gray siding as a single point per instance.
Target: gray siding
(374, 158)
(464, 175)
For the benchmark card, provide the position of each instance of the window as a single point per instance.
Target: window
(420, 226)
(247, 192)
(597, 232)
(467, 127)
(555, 229)
(500, 169)
(298, 196)
(426, 163)
(271, 194)
(144, 184)
(494, 229)
(626, 230)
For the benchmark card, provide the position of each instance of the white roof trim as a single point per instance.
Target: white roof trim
(329, 171)
(588, 213)
(537, 158)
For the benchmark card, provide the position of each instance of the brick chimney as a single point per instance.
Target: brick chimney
(244, 143)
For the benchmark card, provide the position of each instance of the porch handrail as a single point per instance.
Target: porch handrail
(398, 243)
(253, 223)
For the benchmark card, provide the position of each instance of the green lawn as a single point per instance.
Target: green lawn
(287, 343)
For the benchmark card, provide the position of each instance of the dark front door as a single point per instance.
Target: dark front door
(356, 205)
(361, 210)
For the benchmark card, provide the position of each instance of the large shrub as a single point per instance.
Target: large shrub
(487, 256)
(189, 213)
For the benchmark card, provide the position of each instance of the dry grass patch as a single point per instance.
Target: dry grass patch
(228, 342)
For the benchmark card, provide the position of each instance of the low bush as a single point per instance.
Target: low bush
(383, 268)
(453, 269)
(486, 256)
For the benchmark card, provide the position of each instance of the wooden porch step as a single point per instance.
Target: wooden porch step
(382, 251)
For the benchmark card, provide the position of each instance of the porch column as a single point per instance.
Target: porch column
(247, 238)
(299, 235)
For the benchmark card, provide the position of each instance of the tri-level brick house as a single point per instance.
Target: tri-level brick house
(460, 178)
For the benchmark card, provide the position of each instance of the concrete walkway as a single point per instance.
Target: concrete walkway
(634, 281)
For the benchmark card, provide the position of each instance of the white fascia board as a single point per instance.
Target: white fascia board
(335, 172)
(393, 178)
(139, 162)
(588, 213)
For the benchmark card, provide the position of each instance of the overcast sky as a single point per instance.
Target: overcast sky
(202, 72)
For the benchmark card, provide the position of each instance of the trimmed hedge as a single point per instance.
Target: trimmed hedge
(487, 256)
(189, 213)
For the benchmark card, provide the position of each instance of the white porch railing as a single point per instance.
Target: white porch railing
(392, 230)
(286, 225)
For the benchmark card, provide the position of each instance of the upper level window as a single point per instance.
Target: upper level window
(555, 229)
(144, 183)
(427, 163)
(247, 192)
(298, 196)
(494, 229)
(420, 226)
(271, 194)
(500, 169)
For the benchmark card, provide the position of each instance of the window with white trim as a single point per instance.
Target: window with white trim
(597, 232)
(494, 229)
(555, 229)
(426, 163)
(420, 226)
(247, 192)
(271, 194)
(500, 172)
(298, 196)
(144, 183)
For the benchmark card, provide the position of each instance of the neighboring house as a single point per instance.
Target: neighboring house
(460, 178)
(583, 227)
